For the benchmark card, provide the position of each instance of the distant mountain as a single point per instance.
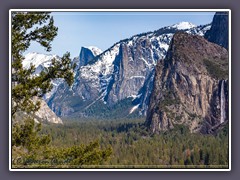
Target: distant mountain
(183, 25)
(190, 86)
(219, 31)
(87, 54)
(120, 76)
(41, 61)
(123, 74)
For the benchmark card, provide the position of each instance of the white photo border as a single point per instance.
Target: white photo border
(118, 10)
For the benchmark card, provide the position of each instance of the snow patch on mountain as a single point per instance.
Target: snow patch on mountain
(133, 109)
(133, 96)
(101, 68)
(95, 50)
(132, 77)
(41, 61)
(38, 59)
(183, 25)
(200, 30)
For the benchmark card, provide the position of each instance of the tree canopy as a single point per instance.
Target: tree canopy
(29, 147)
(26, 28)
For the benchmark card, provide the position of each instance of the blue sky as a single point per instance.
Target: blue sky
(103, 29)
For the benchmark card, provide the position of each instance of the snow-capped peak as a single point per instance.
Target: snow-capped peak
(95, 50)
(183, 25)
(103, 66)
(37, 59)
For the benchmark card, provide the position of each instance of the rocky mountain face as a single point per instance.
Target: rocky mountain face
(41, 61)
(45, 114)
(219, 30)
(190, 86)
(87, 54)
(121, 74)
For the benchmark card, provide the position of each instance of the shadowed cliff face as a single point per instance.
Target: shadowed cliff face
(85, 56)
(219, 30)
(189, 87)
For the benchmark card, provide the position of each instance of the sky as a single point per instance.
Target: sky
(103, 29)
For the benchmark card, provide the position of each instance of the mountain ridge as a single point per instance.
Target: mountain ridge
(185, 90)
(97, 73)
(99, 79)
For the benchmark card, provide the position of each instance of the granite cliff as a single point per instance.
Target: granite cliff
(190, 86)
(218, 33)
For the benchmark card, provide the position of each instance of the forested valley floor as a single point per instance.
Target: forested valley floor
(133, 146)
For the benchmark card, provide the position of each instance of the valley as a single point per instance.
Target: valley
(136, 147)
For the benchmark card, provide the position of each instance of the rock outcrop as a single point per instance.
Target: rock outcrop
(190, 86)
(87, 54)
(45, 114)
(219, 30)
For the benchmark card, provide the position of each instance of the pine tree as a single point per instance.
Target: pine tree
(28, 145)
(26, 28)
